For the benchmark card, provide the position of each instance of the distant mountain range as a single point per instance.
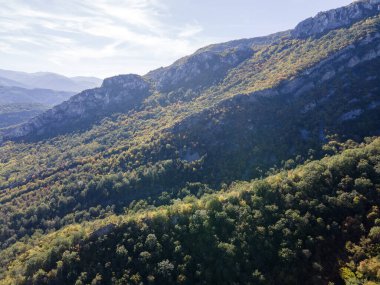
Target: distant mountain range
(25, 95)
(18, 95)
(47, 80)
(18, 104)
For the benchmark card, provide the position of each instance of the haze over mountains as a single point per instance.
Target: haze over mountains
(255, 161)
(47, 80)
(25, 95)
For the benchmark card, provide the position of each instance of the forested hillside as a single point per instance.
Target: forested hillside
(140, 180)
(316, 224)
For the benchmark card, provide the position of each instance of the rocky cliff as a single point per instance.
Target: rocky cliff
(337, 18)
(117, 94)
(199, 70)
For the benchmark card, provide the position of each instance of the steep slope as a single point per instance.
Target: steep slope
(337, 18)
(202, 70)
(117, 94)
(264, 101)
(340, 96)
(310, 225)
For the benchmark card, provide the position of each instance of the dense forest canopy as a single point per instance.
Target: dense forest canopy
(316, 224)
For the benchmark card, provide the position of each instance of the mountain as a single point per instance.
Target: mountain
(116, 94)
(247, 162)
(86, 82)
(216, 70)
(10, 83)
(337, 18)
(47, 80)
(15, 95)
(23, 96)
(18, 105)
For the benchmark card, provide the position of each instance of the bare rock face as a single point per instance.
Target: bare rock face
(117, 94)
(337, 18)
(200, 70)
(245, 43)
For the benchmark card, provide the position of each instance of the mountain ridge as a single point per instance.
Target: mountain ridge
(336, 18)
(210, 65)
(191, 70)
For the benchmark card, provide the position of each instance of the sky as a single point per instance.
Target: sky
(103, 38)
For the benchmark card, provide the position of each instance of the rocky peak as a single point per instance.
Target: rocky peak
(117, 94)
(129, 82)
(245, 43)
(199, 70)
(336, 18)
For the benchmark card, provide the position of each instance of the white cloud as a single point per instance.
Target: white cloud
(85, 36)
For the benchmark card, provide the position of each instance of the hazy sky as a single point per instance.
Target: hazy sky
(108, 37)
